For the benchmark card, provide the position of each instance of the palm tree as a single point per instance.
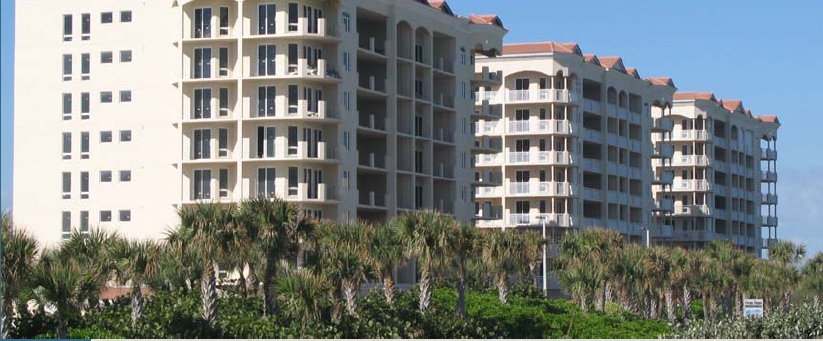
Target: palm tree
(180, 266)
(387, 254)
(215, 235)
(465, 243)
(18, 261)
(659, 270)
(788, 255)
(679, 279)
(66, 285)
(275, 227)
(812, 278)
(301, 294)
(532, 247)
(426, 235)
(631, 270)
(502, 255)
(137, 262)
(575, 272)
(607, 243)
(343, 253)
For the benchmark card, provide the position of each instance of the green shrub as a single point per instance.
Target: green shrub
(800, 322)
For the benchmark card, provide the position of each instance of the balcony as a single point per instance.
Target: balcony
(444, 171)
(553, 220)
(492, 97)
(372, 84)
(443, 64)
(663, 231)
(690, 135)
(371, 199)
(691, 210)
(444, 100)
(372, 123)
(691, 185)
(490, 223)
(768, 221)
(486, 77)
(372, 46)
(663, 178)
(488, 145)
(489, 160)
(592, 135)
(321, 193)
(488, 128)
(371, 160)
(690, 161)
(664, 205)
(591, 105)
(694, 235)
(489, 212)
(489, 111)
(324, 153)
(662, 151)
(489, 192)
(768, 154)
(663, 124)
(539, 127)
(539, 189)
(769, 199)
(554, 158)
(540, 96)
(488, 178)
(767, 176)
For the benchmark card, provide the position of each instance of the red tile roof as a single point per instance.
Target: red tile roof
(486, 19)
(633, 72)
(732, 104)
(442, 6)
(768, 119)
(705, 96)
(545, 47)
(591, 58)
(663, 81)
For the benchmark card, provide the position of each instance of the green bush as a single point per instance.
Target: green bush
(800, 322)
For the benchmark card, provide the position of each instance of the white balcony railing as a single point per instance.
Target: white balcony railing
(558, 158)
(539, 189)
(539, 126)
(691, 185)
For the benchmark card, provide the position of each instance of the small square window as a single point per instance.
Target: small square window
(105, 216)
(125, 96)
(125, 16)
(125, 215)
(105, 97)
(106, 18)
(106, 57)
(125, 176)
(125, 135)
(105, 176)
(125, 56)
(105, 136)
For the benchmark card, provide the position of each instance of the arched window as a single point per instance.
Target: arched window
(698, 123)
(462, 56)
(559, 81)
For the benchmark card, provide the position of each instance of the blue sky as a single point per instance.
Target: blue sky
(766, 55)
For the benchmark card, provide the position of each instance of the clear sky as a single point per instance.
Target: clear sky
(769, 56)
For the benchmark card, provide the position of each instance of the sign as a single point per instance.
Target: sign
(753, 308)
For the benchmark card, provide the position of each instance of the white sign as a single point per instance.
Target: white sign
(752, 308)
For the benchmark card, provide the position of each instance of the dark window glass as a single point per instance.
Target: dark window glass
(85, 26)
(224, 21)
(106, 18)
(125, 56)
(106, 57)
(67, 27)
(125, 16)
(105, 216)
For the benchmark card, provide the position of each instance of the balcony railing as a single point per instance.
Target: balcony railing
(691, 185)
(488, 128)
(539, 126)
(489, 191)
(372, 160)
(489, 159)
(527, 96)
(487, 76)
(691, 210)
(664, 204)
(769, 221)
(373, 45)
(768, 176)
(592, 106)
(373, 122)
(558, 158)
(663, 124)
(540, 189)
(371, 198)
(373, 83)
(527, 219)
(488, 178)
(690, 160)
(663, 178)
(768, 154)
(769, 199)
(690, 135)
(663, 151)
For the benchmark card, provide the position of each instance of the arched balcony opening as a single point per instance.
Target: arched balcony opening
(623, 100)
(611, 95)
(422, 46)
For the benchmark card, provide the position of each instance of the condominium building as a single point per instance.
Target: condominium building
(724, 171)
(352, 109)
(564, 139)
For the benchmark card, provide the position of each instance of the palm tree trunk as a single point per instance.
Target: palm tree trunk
(136, 305)
(533, 274)
(350, 296)
(62, 332)
(241, 282)
(705, 305)
(687, 304)
(583, 303)
(425, 296)
(269, 298)
(461, 289)
(503, 288)
(8, 313)
(252, 282)
(208, 286)
(737, 300)
(713, 301)
(787, 298)
(668, 296)
(816, 301)
(608, 292)
(388, 289)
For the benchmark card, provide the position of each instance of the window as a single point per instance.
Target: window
(292, 140)
(346, 181)
(202, 22)
(265, 141)
(347, 100)
(84, 222)
(125, 215)
(202, 104)
(224, 102)
(125, 16)
(84, 145)
(85, 66)
(125, 176)
(106, 18)
(293, 14)
(202, 142)
(224, 61)
(292, 180)
(125, 96)
(84, 185)
(66, 185)
(106, 57)
(265, 101)
(202, 184)
(105, 216)
(463, 90)
(125, 56)
(265, 182)
(462, 56)
(66, 107)
(223, 182)
(292, 99)
(85, 29)
(224, 21)
(222, 142)
(67, 27)
(105, 176)
(105, 136)
(66, 67)
(66, 146)
(266, 55)
(346, 61)
(346, 22)
(293, 59)
(202, 62)
(347, 140)
(266, 19)
(105, 97)
(85, 98)
(66, 231)
(125, 136)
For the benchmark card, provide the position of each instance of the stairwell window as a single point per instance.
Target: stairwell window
(66, 146)
(85, 29)
(105, 176)
(84, 185)
(105, 137)
(125, 96)
(66, 67)
(66, 228)
(85, 99)
(346, 22)
(66, 185)
(84, 145)
(67, 27)
(105, 97)
(66, 107)
(85, 66)
(125, 56)
(125, 176)
(84, 222)
(105, 216)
